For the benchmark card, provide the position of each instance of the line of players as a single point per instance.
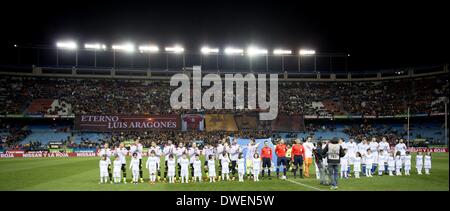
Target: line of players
(230, 161)
(369, 157)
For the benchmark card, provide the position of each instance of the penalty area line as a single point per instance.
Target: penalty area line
(304, 185)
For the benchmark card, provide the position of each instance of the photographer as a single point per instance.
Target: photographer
(333, 152)
(320, 170)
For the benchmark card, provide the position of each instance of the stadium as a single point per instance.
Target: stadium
(70, 110)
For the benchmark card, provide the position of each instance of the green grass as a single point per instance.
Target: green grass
(83, 173)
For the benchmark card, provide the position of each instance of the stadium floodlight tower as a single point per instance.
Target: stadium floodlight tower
(306, 52)
(231, 51)
(149, 49)
(282, 52)
(254, 51)
(176, 49)
(125, 47)
(66, 45)
(95, 47)
(208, 51)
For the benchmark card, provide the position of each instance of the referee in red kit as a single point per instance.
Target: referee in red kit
(266, 156)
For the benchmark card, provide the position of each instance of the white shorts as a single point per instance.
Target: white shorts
(184, 172)
(225, 170)
(152, 170)
(212, 172)
(104, 174)
(117, 174)
(197, 173)
(255, 171)
(356, 168)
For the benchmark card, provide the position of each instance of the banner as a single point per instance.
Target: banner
(221, 122)
(284, 123)
(192, 122)
(111, 123)
(425, 149)
(47, 154)
(246, 121)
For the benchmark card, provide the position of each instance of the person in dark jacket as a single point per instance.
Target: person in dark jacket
(333, 151)
(321, 172)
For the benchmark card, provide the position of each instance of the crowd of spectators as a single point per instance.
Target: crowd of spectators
(106, 96)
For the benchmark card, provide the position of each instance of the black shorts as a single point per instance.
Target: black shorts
(298, 160)
(266, 162)
(281, 160)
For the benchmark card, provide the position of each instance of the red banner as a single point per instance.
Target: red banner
(47, 154)
(108, 123)
(425, 149)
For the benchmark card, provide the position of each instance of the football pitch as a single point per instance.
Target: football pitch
(82, 173)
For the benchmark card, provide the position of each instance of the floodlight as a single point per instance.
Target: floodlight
(282, 52)
(232, 51)
(207, 50)
(306, 52)
(174, 49)
(127, 47)
(69, 45)
(95, 46)
(148, 48)
(252, 51)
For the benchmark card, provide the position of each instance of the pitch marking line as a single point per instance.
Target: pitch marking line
(308, 186)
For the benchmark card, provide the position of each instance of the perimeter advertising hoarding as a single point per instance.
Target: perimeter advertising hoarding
(112, 123)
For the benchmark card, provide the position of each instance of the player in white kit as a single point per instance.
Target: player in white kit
(197, 165)
(105, 151)
(191, 152)
(419, 163)
(384, 145)
(407, 163)
(344, 165)
(401, 147)
(256, 167)
(211, 169)
(158, 153)
(381, 162)
(241, 167)
(167, 151)
(171, 163)
(103, 165)
(391, 163)
(357, 164)
(134, 166)
(374, 146)
(179, 151)
(251, 150)
(369, 162)
(351, 151)
(117, 164)
(208, 150)
(184, 171)
(225, 161)
(234, 151)
(398, 164)
(152, 165)
(427, 163)
(122, 153)
(138, 149)
(362, 148)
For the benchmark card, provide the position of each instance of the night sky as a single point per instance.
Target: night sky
(381, 35)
